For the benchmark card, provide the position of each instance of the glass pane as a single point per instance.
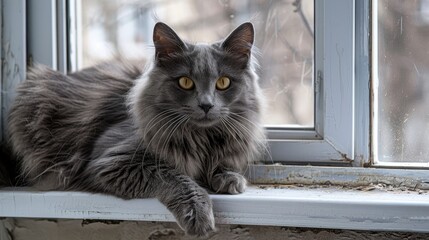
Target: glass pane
(284, 37)
(403, 63)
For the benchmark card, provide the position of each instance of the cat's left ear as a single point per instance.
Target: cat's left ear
(166, 41)
(239, 42)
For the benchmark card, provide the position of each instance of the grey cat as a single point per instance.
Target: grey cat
(190, 120)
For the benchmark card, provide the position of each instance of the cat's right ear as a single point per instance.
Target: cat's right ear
(239, 42)
(166, 41)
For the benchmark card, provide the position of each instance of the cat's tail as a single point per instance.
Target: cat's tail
(9, 169)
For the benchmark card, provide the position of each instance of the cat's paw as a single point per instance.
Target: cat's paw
(229, 182)
(195, 216)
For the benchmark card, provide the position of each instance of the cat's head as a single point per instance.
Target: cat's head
(200, 84)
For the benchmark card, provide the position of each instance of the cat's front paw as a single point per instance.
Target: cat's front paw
(229, 182)
(195, 215)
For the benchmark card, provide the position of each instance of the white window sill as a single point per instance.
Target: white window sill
(294, 207)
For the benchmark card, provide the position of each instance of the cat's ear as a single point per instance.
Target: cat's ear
(239, 42)
(166, 41)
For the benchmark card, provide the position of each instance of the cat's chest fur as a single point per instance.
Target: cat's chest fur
(199, 152)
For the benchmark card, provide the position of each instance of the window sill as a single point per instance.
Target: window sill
(331, 207)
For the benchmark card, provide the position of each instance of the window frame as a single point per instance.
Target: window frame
(13, 54)
(55, 43)
(334, 139)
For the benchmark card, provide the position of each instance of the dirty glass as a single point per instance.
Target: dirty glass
(284, 39)
(403, 80)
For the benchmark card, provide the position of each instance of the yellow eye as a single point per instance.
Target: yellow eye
(223, 83)
(186, 83)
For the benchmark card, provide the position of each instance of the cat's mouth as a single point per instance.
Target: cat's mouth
(206, 121)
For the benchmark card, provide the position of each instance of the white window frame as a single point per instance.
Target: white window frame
(338, 112)
(341, 135)
(55, 43)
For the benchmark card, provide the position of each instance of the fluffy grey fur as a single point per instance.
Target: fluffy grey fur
(118, 129)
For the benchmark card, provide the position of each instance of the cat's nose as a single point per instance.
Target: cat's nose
(206, 107)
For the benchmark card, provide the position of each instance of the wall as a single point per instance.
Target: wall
(33, 229)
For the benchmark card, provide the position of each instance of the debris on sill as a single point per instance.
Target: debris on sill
(363, 188)
(363, 179)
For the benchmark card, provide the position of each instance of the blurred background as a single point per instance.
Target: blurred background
(403, 63)
(284, 37)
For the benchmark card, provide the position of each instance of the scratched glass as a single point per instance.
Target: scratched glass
(284, 37)
(403, 73)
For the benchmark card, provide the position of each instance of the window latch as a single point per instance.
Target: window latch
(319, 79)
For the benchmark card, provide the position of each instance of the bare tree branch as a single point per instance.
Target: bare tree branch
(298, 5)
